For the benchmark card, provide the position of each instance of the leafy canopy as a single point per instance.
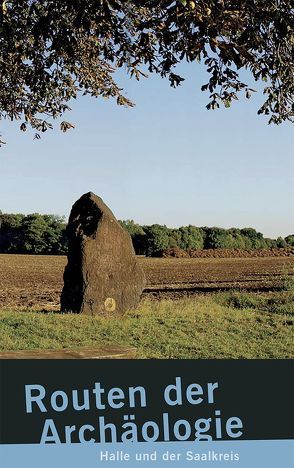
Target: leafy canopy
(50, 51)
(47, 234)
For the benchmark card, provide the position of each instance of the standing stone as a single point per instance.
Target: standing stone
(102, 275)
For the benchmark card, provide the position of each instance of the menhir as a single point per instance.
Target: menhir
(102, 275)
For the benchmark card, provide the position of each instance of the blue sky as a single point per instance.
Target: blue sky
(166, 161)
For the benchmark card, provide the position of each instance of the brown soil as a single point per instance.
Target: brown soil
(35, 282)
(228, 253)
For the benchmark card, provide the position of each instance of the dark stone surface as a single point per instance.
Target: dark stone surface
(102, 275)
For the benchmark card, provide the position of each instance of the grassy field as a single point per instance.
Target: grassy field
(224, 325)
(192, 319)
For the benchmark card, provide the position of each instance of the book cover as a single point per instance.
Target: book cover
(146, 234)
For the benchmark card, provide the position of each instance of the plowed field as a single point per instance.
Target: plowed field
(35, 282)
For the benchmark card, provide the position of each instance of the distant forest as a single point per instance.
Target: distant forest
(46, 234)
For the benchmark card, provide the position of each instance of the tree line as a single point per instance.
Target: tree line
(33, 234)
(46, 234)
(155, 239)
